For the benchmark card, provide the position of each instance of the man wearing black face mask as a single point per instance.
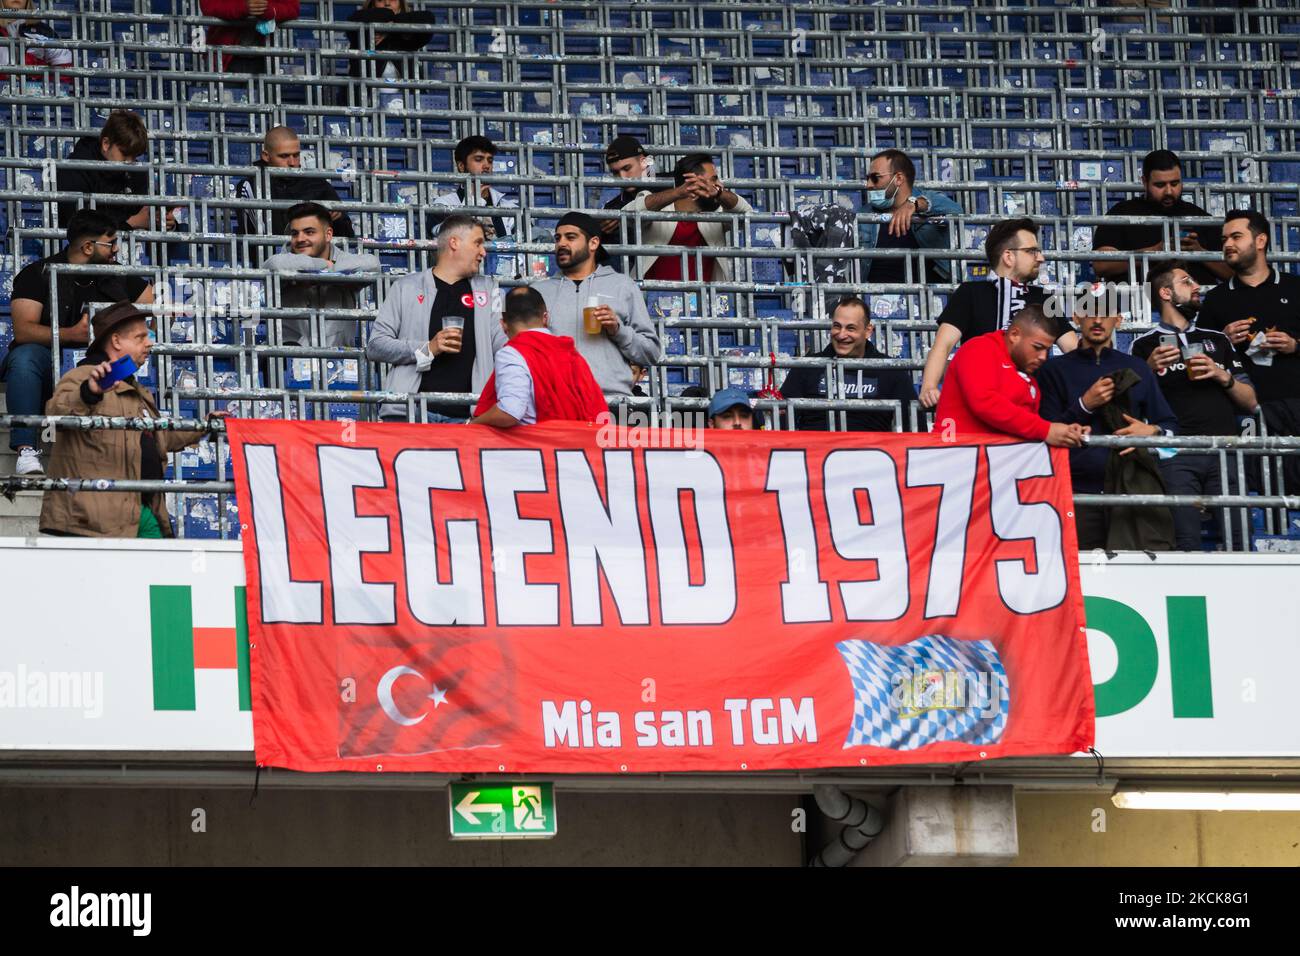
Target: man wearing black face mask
(1204, 382)
(696, 188)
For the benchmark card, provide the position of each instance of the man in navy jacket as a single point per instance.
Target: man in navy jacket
(1075, 387)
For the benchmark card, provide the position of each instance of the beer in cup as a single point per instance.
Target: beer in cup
(456, 322)
(589, 321)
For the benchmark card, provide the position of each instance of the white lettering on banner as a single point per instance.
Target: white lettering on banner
(673, 729)
(460, 601)
(794, 723)
(507, 473)
(599, 537)
(668, 474)
(284, 600)
(805, 598)
(798, 723)
(881, 540)
(953, 470)
(1013, 520)
(350, 535)
(599, 526)
(577, 725)
(573, 725)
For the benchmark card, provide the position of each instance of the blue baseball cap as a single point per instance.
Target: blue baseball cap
(725, 399)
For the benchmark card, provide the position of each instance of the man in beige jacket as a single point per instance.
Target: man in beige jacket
(696, 188)
(121, 330)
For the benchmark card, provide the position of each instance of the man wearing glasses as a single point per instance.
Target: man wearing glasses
(989, 305)
(27, 369)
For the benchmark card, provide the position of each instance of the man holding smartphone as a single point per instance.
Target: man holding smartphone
(1205, 383)
(1110, 393)
(104, 383)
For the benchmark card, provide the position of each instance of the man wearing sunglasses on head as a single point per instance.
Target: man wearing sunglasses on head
(27, 369)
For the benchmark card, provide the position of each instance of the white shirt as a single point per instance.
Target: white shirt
(515, 384)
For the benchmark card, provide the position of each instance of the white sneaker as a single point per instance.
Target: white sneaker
(29, 463)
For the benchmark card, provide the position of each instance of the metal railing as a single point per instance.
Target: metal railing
(1234, 509)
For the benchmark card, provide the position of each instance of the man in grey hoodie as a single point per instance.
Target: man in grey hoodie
(439, 329)
(312, 252)
(620, 334)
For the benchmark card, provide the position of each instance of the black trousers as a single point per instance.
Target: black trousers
(1186, 474)
(1092, 525)
(1282, 416)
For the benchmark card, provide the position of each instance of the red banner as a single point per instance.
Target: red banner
(578, 598)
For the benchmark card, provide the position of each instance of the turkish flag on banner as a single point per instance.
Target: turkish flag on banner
(591, 599)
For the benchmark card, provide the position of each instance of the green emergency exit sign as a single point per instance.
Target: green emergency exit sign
(490, 810)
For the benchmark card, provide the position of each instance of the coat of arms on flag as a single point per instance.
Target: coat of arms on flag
(931, 689)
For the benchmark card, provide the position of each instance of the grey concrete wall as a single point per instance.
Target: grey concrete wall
(123, 827)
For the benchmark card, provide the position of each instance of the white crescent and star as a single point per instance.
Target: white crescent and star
(389, 706)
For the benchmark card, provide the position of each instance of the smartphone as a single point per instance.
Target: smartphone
(1170, 341)
(123, 368)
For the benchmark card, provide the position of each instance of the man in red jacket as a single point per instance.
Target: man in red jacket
(539, 376)
(991, 389)
(251, 23)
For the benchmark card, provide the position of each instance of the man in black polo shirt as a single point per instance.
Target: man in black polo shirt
(1204, 382)
(986, 305)
(1258, 309)
(851, 339)
(27, 369)
(1162, 178)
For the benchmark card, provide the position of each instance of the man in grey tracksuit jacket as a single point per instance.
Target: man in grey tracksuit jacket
(609, 353)
(400, 335)
(301, 292)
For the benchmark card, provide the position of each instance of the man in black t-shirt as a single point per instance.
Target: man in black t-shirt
(28, 369)
(453, 364)
(1162, 178)
(439, 329)
(986, 305)
(1204, 382)
(1258, 309)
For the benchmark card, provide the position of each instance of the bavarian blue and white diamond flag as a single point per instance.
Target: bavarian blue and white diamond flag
(932, 689)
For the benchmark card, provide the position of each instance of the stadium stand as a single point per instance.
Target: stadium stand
(1043, 109)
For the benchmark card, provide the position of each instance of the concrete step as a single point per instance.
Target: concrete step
(26, 504)
(20, 527)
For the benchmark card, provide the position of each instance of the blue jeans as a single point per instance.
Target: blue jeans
(30, 381)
